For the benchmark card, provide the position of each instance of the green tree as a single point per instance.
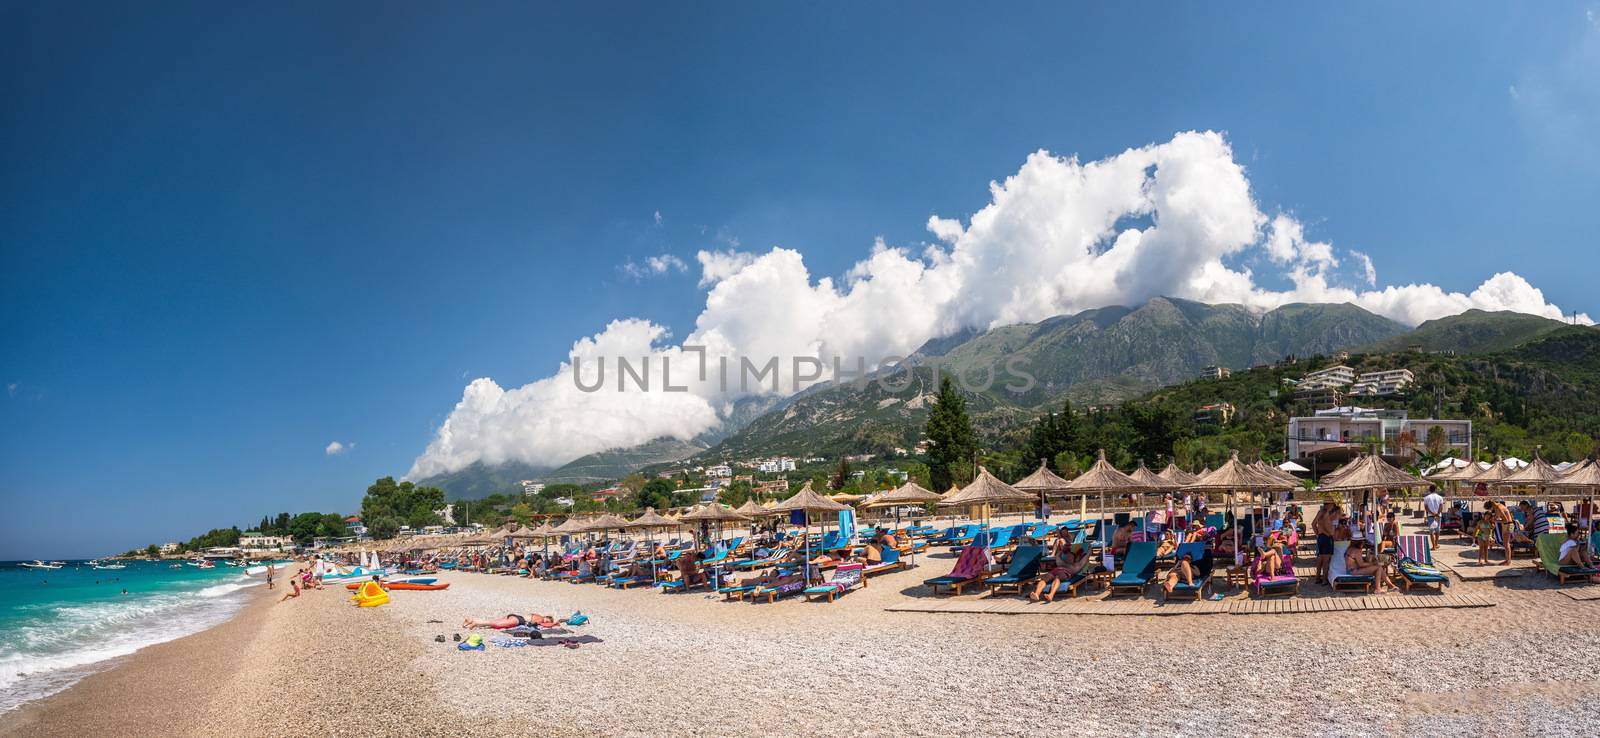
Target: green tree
(522, 513)
(734, 494)
(383, 527)
(152, 551)
(402, 501)
(951, 443)
(656, 493)
(841, 475)
(303, 527)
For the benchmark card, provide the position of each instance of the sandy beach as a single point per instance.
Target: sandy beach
(689, 664)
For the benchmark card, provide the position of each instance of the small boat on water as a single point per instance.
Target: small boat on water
(97, 565)
(37, 564)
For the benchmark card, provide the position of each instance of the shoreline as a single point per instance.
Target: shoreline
(688, 664)
(127, 682)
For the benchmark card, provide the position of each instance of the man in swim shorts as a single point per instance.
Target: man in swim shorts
(1322, 525)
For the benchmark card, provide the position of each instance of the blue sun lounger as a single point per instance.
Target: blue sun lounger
(1200, 563)
(1138, 567)
(1416, 563)
(1024, 567)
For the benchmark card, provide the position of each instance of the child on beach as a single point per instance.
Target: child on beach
(294, 586)
(1483, 533)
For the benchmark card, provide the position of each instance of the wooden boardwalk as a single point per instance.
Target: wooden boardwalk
(1230, 606)
(1582, 594)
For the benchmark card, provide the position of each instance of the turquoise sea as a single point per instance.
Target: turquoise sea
(57, 625)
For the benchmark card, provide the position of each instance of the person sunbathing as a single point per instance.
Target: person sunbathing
(1168, 545)
(1357, 565)
(1574, 552)
(689, 571)
(1069, 563)
(513, 620)
(1184, 570)
(832, 558)
(1121, 538)
(1272, 553)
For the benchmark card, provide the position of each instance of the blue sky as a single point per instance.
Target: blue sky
(231, 236)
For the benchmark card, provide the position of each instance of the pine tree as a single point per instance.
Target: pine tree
(842, 476)
(951, 443)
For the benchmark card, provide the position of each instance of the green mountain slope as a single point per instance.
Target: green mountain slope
(1098, 356)
(1471, 332)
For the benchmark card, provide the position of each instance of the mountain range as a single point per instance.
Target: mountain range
(1097, 356)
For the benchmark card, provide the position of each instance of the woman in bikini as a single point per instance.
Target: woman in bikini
(512, 620)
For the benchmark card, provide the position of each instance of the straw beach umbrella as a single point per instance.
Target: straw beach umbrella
(1173, 474)
(1232, 477)
(1538, 473)
(1043, 483)
(1585, 476)
(808, 501)
(909, 493)
(1371, 472)
(987, 490)
(649, 522)
(1101, 478)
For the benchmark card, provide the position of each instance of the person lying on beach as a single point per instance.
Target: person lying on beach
(1272, 554)
(1070, 562)
(1168, 546)
(1184, 570)
(1573, 550)
(1356, 563)
(1121, 538)
(513, 620)
(294, 587)
(689, 571)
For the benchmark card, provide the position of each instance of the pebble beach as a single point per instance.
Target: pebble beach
(693, 665)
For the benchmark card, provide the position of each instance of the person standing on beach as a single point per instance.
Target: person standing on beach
(1322, 525)
(269, 576)
(1433, 511)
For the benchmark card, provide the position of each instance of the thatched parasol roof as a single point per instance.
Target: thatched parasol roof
(1586, 474)
(1173, 474)
(1537, 473)
(606, 522)
(753, 509)
(949, 493)
(987, 489)
(1236, 474)
(571, 526)
(1152, 480)
(1042, 480)
(909, 493)
(1497, 471)
(846, 498)
(651, 519)
(1371, 472)
(543, 531)
(715, 511)
(1276, 473)
(1103, 477)
(524, 533)
(808, 500)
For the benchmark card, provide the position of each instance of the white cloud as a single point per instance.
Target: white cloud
(654, 266)
(658, 217)
(335, 448)
(11, 389)
(1512, 91)
(1058, 237)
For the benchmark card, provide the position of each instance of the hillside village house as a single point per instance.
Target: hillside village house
(254, 539)
(720, 470)
(169, 548)
(1379, 384)
(775, 466)
(1338, 434)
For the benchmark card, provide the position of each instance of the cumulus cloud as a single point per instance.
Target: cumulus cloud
(335, 448)
(1057, 237)
(654, 266)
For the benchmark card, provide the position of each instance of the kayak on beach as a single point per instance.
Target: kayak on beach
(416, 586)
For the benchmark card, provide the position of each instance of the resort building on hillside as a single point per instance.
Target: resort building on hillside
(1338, 375)
(720, 470)
(1215, 372)
(169, 548)
(775, 466)
(1341, 433)
(530, 487)
(254, 539)
(1220, 413)
(1379, 384)
(772, 487)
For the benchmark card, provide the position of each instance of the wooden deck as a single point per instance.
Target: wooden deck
(1582, 594)
(1231, 606)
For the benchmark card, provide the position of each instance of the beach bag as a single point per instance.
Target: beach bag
(577, 618)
